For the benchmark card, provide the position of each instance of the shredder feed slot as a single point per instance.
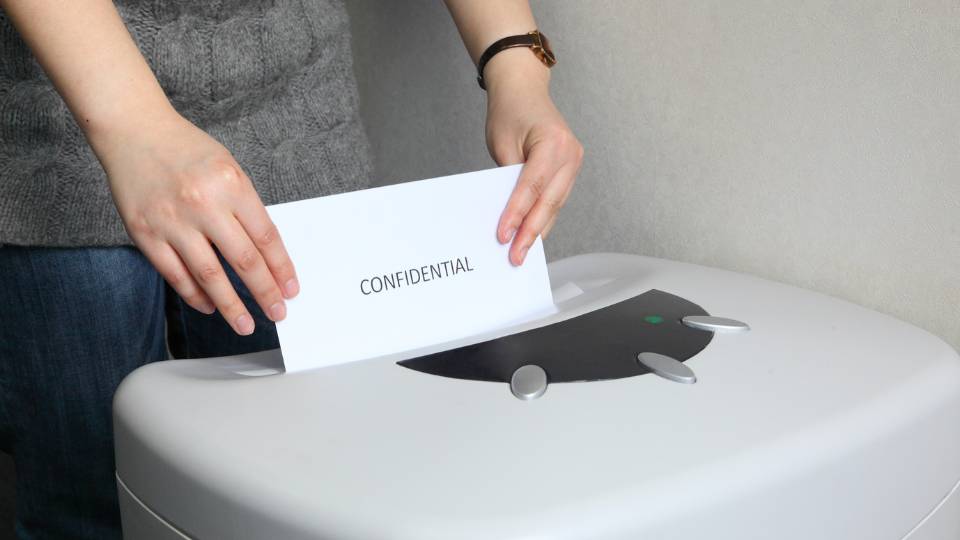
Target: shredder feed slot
(599, 345)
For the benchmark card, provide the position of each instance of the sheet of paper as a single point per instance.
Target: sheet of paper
(400, 267)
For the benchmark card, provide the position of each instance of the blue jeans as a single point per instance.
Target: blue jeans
(73, 324)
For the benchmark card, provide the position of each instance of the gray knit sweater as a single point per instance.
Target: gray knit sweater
(270, 79)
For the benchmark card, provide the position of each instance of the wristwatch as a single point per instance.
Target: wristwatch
(536, 41)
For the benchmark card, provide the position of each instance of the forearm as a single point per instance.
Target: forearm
(523, 125)
(93, 62)
(179, 192)
(481, 23)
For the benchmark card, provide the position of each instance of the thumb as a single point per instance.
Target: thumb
(505, 150)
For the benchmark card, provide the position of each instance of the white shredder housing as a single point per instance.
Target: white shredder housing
(824, 421)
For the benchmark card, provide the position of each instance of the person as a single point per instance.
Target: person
(140, 141)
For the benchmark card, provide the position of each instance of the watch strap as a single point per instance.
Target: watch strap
(533, 40)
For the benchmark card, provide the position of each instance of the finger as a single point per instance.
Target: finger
(254, 219)
(163, 257)
(195, 250)
(566, 195)
(548, 227)
(534, 178)
(244, 257)
(545, 209)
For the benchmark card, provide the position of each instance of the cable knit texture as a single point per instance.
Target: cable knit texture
(272, 80)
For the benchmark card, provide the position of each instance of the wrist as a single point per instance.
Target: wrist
(124, 123)
(516, 68)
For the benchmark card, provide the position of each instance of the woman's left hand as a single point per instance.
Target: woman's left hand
(524, 126)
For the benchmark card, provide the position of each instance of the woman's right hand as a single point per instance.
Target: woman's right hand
(178, 190)
(179, 193)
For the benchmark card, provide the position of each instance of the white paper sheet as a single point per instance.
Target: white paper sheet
(400, 267)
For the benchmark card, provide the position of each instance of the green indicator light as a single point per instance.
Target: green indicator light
(653, 319)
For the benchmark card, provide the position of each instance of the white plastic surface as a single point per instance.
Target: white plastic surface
(943, 522)
(825, 421)
(140, 522)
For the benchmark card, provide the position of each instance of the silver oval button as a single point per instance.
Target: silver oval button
(719, 325)
(528, 382)
(667, 367)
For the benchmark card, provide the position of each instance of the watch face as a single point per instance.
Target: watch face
(543, 51)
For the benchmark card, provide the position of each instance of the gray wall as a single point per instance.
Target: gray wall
(815, 143)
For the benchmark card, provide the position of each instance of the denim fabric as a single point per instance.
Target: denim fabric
(73, 323)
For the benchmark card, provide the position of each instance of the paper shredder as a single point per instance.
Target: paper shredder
(662, 400)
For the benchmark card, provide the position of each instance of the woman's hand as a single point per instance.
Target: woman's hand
(176, 188)
(524, 126)
(179, 191)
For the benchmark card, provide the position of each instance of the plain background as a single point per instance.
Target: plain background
(815, 143)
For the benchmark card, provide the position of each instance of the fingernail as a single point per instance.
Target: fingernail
(523, 254)
(244, 325)
(291, 288)
(510, 234)
(207, 308)
(278, 311)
